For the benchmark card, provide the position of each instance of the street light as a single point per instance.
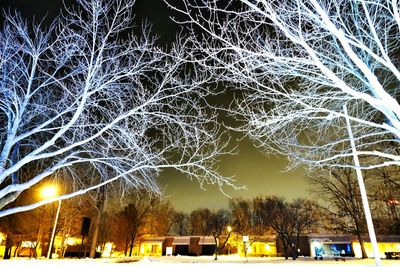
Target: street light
(245, 241)
(48, 192)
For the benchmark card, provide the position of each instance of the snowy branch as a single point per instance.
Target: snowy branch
(298, 63)
(85, 93)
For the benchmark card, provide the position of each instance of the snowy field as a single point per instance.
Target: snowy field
(190, 261)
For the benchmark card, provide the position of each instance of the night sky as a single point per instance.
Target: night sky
(260, 174)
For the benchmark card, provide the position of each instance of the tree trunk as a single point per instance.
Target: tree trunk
(293, 252)
(296, 246)
(216, 248)
(8, 249)
(99, 206)
(131, 247)
(95, 234)
(361, 241)
(126, 247)
(285, 248)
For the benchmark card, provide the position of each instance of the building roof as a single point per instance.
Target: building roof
(153, 240)
(383, 238)
(206, 240)
(181, 240)
(330, 238)
(265, 239)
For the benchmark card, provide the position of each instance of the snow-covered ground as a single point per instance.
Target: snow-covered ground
(182, 261)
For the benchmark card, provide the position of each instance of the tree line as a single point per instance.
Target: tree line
(336, 208)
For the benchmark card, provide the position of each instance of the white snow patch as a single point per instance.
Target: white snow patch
(182, 261)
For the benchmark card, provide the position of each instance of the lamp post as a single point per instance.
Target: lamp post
(245, 241)
(50, 191)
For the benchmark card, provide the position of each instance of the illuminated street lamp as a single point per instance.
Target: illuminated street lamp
(229, 228)
(48, 192)
(245, 246)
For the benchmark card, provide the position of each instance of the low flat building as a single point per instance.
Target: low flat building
(177, 245)
(328, 245)
(152, 246)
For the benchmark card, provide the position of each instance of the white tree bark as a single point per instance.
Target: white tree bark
(86, 93)
(298, 63)
(363, 193)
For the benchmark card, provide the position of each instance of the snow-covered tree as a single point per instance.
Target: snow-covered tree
(300, 62)
(322, 76)
(86, 93)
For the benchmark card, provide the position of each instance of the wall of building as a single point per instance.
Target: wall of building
(151, 249)
(383, 247)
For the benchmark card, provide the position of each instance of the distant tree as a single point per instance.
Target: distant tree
(218, 225)
(34, 226)
(181, 226)
(246, 220)
(131, 222)
(205, 222)
(384, 185)
(85, 92)
(161, 218)
(199, 220)
(339, 189)
(287, 219)
(305, 217)
(9, 227)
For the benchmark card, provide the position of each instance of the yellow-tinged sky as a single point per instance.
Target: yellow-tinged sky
(260, 174)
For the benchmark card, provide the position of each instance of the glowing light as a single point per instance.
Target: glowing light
(108, 248)
(72, 241)
(229, 228)
(267, 247)
(49, 191)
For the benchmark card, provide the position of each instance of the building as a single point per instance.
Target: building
(324, 245)
(313, 245)
(152, 246)
(330, 245)
(177, 245)
(263, 246)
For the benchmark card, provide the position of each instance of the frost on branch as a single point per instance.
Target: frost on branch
(299, 62)
(85, 94)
